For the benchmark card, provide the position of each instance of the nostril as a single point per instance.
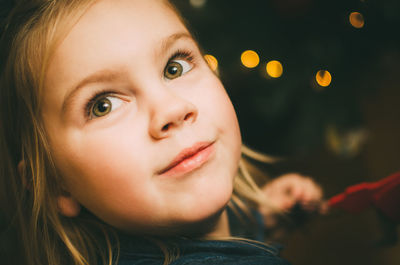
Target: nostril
(188, 116)
(165, 127)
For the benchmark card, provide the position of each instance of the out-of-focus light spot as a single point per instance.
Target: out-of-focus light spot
(274, 69)
(211, 61)
(356, 20)
(347, 143)
(250, 59)
(323, 78)
(198, 3)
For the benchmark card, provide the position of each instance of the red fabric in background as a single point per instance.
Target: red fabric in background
(383, 194)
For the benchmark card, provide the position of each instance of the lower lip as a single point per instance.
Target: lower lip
(191, 163)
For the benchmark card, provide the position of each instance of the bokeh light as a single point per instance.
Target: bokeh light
(211, 61)
(250, 59)
(323, 78)
(346, 143)
(356, 20)
(274, 69)
(198, 3)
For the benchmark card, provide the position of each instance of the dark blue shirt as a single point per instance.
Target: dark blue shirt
(140, 251)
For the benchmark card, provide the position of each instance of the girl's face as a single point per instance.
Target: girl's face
(141, 130)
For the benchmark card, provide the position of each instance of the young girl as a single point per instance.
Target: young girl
(119, 145)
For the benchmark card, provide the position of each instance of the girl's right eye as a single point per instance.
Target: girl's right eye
(103, 106)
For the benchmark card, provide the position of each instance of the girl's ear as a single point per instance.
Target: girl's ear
(68, 206)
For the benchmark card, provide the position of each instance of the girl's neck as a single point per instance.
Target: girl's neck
(221, 227)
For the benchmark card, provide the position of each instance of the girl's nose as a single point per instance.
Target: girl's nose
(170, 115)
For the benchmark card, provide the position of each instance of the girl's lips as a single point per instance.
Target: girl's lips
(189, 159)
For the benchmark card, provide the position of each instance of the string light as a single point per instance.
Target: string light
(211, 61)
(356, 20)
(250, 59)
(323, 78)
(274, 69)
(198, 3)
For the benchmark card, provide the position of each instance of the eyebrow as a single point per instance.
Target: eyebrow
(102, 76)
(169, 41)
(107, 75)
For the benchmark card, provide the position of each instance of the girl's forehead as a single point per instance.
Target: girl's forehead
(112, 34)
(142, 17)
(120, 23)
(136, 8)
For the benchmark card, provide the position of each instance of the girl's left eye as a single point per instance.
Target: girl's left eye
(176, 68)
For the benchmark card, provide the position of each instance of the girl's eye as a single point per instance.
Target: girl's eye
(103, 106)
(176, 68)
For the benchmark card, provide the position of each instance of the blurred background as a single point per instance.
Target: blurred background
(317, 83)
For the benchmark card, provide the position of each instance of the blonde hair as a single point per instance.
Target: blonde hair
(29, 188)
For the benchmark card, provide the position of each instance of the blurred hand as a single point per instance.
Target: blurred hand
(289, 190)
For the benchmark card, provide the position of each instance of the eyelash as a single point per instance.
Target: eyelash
(179, 54)
(182, 54)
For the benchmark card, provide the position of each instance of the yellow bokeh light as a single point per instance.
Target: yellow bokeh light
(274, 69)
(211, 61)
(323, 78)
(250, 59)
(356, 20)
(198, 3)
